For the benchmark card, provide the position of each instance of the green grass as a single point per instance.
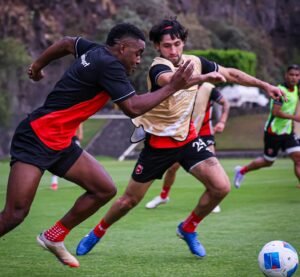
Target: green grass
(144, 243)
(247, 131)
(90, 128)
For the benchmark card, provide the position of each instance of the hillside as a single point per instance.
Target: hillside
(270, 28)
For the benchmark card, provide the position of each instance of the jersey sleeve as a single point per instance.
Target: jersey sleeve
(216, 95)
(83, 45)
(114, 80)
(208, 66)
(154, 74)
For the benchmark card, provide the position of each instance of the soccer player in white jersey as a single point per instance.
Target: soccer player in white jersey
(171, 137)
(207, 95)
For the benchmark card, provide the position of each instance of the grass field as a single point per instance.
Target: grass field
(144, 243)
(247, 131)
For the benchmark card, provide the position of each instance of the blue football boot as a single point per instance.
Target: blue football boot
(191, 240)
(87, 243)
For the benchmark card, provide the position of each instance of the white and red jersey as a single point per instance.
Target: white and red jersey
(207, 127)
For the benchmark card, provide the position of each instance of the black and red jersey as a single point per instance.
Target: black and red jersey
(94, 77)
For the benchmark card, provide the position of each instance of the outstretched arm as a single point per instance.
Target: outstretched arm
(196, 79)
(233, 75)
(140, 104)
(57, 50)
(276, 111)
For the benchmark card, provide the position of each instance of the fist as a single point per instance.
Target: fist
(35, 75)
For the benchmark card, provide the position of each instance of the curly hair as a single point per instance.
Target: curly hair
(168, 26)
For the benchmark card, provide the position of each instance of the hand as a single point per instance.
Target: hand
(182, 76)
(297, 118)
(213, 77)
(35, 75)
(275, 93)
(219, 127)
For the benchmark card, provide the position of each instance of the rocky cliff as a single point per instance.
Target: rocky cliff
(38, 23)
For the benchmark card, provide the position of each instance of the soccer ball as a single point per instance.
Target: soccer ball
(278, 259)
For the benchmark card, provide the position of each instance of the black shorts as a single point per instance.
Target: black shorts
(273, 143)
(208, 140)
(153, 162)
(28, 148)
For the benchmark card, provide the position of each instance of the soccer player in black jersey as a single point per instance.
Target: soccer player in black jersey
(43, 141)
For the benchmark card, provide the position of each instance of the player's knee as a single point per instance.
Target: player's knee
(222, 189)
(17, 216)
(126, 203)
(108, 193)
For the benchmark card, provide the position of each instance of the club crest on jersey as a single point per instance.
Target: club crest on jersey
(139, 169)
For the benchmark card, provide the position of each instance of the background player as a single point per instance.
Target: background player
(202, 118)
(279, 133)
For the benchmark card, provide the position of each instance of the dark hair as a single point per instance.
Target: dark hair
(293, 66)
(122, 30)
(168, 26)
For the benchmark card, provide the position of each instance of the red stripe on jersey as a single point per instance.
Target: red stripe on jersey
(207, 128)
(57, 128)
(169, 142)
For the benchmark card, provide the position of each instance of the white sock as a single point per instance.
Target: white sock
(54, 180)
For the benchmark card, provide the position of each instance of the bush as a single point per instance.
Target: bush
(241, 35)
(243, 60)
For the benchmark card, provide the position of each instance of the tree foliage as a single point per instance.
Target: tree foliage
(130, 16)
(224, 35)
(13, 56)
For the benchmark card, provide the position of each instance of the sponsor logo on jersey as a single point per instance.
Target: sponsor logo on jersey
(83, 61)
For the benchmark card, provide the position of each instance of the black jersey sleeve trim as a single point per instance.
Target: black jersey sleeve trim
(216, 95)
(155, 73)
(208, 66)
(76, 43)
(124, 97)
(162, 72)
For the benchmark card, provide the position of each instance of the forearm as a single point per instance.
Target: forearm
(57, 50)
(280, 114)
(140, 104)
(197, 79)
(212, 77)
(225, 113)
(238, 77)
